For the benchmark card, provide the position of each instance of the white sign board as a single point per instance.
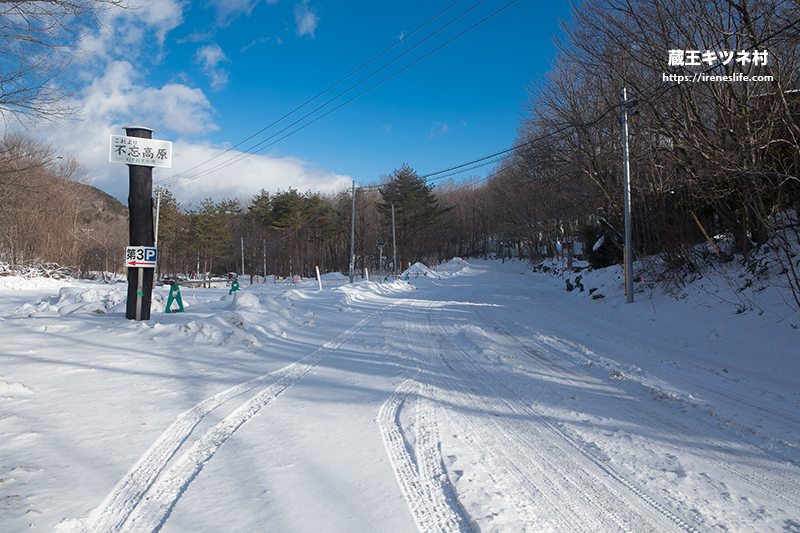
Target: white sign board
(140, 257)
(138, 151)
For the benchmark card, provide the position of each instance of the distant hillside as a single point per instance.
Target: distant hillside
(99, 204)
(49, 214)
(103, 221)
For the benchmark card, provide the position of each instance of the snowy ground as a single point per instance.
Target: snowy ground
(480, 397)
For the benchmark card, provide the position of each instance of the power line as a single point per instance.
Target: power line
(492, 158)
(307, 102)
(459, 169)
(242, 155)
(495, 157)
(251, 151)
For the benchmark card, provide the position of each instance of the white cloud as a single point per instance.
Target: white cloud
(306, 19)
(196, 36)
(160, 17)
(210, 57)
(119, 98)
(245, 178)
(133, 33)
(260, 40)
(439, 128)
(227, 10)
(180, 109)
(117, 94)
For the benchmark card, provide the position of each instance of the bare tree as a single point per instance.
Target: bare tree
(721, 146)
(38, 39)
(40, 218)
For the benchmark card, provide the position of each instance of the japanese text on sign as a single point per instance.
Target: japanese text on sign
(140, 256)
(140, 151)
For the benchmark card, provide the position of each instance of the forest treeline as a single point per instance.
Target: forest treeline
(713, 101)
(289, 232)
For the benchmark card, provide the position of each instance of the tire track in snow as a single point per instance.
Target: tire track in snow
(659, 344)
(523, 461)
(129, 490)
(779, 484)
(127, 509)
(539, 505)
(511, 478)
(420, 471)
(587, 451)
(553, 482)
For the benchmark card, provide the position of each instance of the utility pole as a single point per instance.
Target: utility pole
(626, 104)
(140, 206)
(141, 153)
(380, 261)
(159, 190)
(353, 234)
(394, 247)
(242, 257)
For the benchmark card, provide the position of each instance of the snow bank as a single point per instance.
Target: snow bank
(246, 300)
(758, 286)
(19, 283)
(447, 269)
(418, 270)
(13, 388)
(334, 276)
(73, 298)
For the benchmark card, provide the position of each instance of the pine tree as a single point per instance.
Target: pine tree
(210, 231)
(416, 212)
(260, 210)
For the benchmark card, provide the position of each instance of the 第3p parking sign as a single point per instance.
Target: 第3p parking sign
(140, 257)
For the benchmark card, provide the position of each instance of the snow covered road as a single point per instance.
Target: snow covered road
(476, 398)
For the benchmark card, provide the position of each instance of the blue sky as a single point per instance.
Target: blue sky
(206, 76)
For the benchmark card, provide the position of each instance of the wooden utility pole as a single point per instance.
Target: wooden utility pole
(140, 205)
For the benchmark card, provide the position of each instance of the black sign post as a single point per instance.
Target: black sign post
(140, 205)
